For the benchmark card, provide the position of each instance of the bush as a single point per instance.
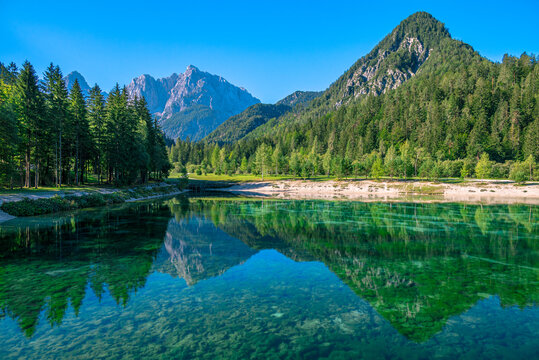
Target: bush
(501, 170)
(426, 169)
(452, 168)
(467, 169)
(483, 169)
(519, 172)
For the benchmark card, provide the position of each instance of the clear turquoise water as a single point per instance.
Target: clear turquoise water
(241, 278)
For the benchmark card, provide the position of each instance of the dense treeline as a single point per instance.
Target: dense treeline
(52, 136)
(479, 119)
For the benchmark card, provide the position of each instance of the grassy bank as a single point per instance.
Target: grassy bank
(56, 203)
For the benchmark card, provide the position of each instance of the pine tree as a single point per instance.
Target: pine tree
(81, 131)
(30, 111)
(531, 141)
(96, 123)
(9, 139)
(56, 97)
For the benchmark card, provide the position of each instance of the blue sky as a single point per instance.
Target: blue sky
(272, 48)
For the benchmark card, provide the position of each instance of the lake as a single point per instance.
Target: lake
(237, 278)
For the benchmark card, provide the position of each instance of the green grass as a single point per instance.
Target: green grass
(57, 203)
(89, 188)
(251, 177)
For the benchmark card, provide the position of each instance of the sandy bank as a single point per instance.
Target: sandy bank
(482, 191)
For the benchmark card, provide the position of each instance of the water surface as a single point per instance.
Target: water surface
(242, 278)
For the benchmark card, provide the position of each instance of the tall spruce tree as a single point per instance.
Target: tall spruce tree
(30, 109)
(80, 130)
(9, 139)
(56, 96)
(96, 122)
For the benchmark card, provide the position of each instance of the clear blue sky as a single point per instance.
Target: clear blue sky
(272, 48)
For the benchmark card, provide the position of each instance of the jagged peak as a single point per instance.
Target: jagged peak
(75, 73)
(382, 69)
(73, 76)
(192, 68)
(421, 25)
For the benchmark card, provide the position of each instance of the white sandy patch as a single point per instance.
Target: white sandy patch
(481, 191)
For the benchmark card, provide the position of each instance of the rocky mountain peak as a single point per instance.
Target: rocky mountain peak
(203, 98)
(192, 68)
(70, 78)
(397, 58)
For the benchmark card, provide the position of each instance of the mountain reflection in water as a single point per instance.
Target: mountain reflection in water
(420, 269)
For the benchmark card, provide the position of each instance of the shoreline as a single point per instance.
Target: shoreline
(481, 191)
(16, 197)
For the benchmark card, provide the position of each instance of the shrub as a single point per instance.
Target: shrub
(501, 170)
(519, 172)
(483, 169)
(467, 168)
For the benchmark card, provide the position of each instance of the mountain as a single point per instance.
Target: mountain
(420, 85)
(419, 104)
(70, 78)
(191, 104)
(400, 56)
(299, 98)
(238, 126)
(195, 250)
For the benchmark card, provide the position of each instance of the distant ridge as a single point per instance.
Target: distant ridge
(238, 126)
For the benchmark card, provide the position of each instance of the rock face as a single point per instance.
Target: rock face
(195, 249)
(386, 74)
(191, 104)
(70, 78)
(401, 55)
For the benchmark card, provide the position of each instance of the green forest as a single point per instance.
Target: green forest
(53, 136)
(460, 115)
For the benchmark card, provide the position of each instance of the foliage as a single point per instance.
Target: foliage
(51, 136)
(236, 127)
(483, 169)
(438, 123)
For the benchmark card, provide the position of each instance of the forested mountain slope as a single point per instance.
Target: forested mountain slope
(238, 126)
(419, 97)
(453, 101)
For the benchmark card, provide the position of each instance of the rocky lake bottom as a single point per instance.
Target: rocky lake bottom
(222, 277)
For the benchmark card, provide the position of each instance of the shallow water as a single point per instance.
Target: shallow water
(242, 278)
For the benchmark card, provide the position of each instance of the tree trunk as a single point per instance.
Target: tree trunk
(77, 164)
(36, 180)
(27, 165)
(60, 164)
(82, 165)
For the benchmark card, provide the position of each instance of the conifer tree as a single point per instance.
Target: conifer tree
(30, 109)
(56, 97)
(80, 129)
(96, 123)
(9, 139)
